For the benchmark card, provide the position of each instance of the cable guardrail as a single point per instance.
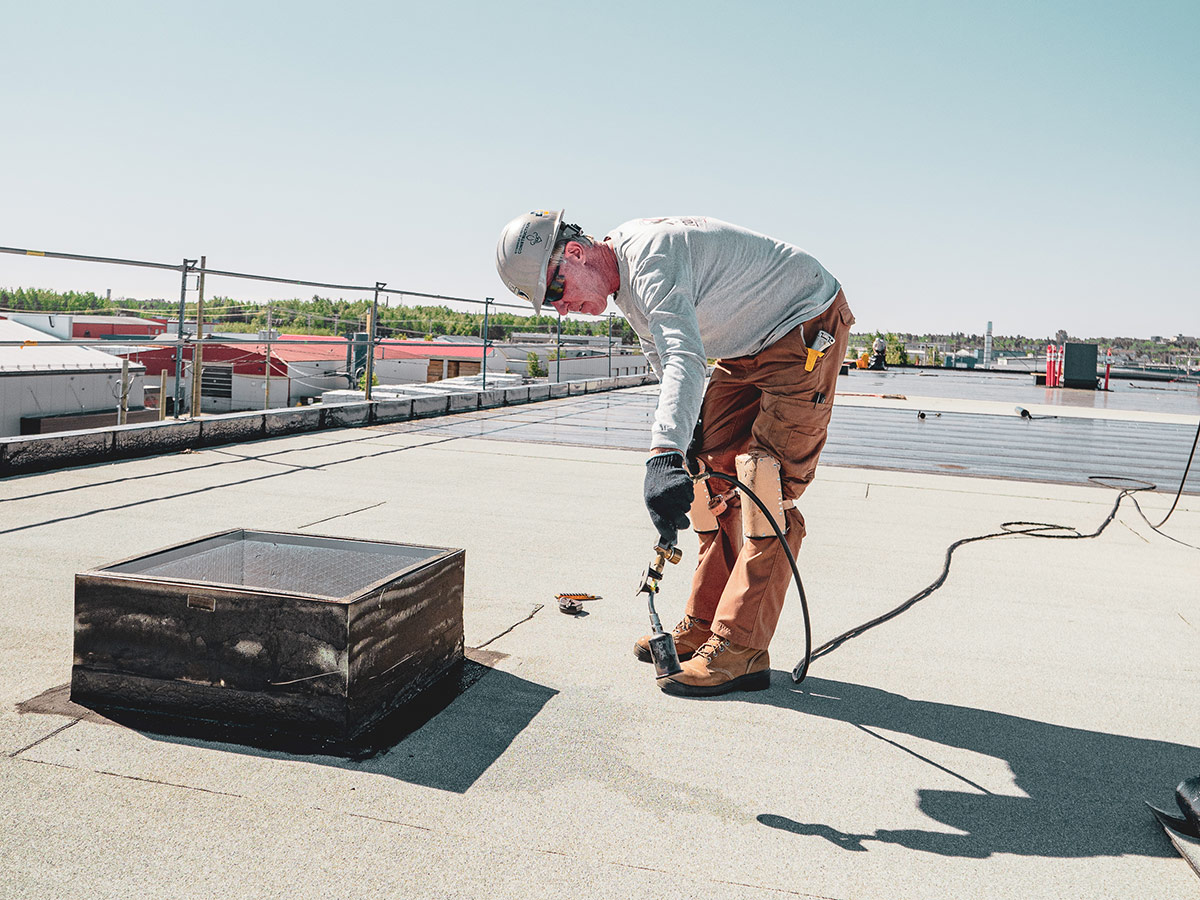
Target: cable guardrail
(193, 269)
(356, 343)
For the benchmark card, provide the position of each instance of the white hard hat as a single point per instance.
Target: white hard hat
(523, 253)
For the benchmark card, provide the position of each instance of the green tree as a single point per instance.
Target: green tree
(895, 354)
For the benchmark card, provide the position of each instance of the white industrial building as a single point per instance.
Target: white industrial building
(580, 360)
(53, 386)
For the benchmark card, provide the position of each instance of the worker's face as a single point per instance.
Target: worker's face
(583, 288)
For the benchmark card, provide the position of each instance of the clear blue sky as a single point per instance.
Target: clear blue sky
(1036, 164)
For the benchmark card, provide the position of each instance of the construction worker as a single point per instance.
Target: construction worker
(878, 354)
(777, 323)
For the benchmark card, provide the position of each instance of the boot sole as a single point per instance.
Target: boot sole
(644, 655)
(753, 681)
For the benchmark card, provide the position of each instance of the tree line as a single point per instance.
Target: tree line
(326, 316)
(320, 316)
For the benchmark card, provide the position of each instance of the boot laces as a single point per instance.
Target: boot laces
(714, 645)
(686, 625)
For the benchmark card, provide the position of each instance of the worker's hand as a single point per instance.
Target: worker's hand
(668, 495)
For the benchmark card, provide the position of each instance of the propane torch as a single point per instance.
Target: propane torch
(662, 644)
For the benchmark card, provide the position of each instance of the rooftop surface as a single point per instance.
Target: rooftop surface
(997, 740)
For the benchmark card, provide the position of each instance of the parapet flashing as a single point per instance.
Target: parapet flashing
(59, 450)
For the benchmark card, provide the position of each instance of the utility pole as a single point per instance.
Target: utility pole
(369, 362)
(267, 402)
(610, 318)
(198, 346)
(184, 269)
(558, 350)
(123, 408)
(483, 366)
(371, 327)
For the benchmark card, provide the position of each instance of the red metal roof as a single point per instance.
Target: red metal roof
(431, 350)
(387, 349)
(328, 348)
(246, 360)
(250, 358)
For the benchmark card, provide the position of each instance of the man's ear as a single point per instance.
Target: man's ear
(574, 249)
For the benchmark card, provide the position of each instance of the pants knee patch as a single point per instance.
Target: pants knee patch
(761, 473)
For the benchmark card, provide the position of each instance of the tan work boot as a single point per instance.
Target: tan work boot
(689, 635)
(719, 666)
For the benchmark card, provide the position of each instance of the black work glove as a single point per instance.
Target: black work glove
(668, 495)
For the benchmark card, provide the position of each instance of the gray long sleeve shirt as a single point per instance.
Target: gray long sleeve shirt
(695, 288)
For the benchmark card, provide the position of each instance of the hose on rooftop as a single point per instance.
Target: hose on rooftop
(1007, 529)
(1182, 481)
(802, 667)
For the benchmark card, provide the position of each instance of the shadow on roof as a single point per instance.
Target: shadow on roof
(1085, 789)
(445, 739)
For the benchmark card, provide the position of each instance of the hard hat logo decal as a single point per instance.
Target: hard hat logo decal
(523, 252)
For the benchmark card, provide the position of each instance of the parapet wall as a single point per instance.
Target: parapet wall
(38, 453)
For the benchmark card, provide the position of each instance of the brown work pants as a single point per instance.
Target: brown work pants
(764, 402)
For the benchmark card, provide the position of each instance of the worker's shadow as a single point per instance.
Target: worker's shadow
(1085, 788)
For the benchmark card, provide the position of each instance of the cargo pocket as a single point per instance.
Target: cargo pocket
(793, 430)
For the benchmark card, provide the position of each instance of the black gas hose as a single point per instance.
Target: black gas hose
(801, 669)
(1007, 529)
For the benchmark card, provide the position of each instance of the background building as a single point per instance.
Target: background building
(74, 326)
(46, 385)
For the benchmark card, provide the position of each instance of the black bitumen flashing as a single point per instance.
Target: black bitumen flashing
(60, 450)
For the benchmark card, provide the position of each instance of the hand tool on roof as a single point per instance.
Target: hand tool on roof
(662, 644)
(572, 603)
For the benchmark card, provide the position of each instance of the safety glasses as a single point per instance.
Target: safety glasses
(555, 285)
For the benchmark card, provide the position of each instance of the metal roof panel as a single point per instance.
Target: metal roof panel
(44, 353)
